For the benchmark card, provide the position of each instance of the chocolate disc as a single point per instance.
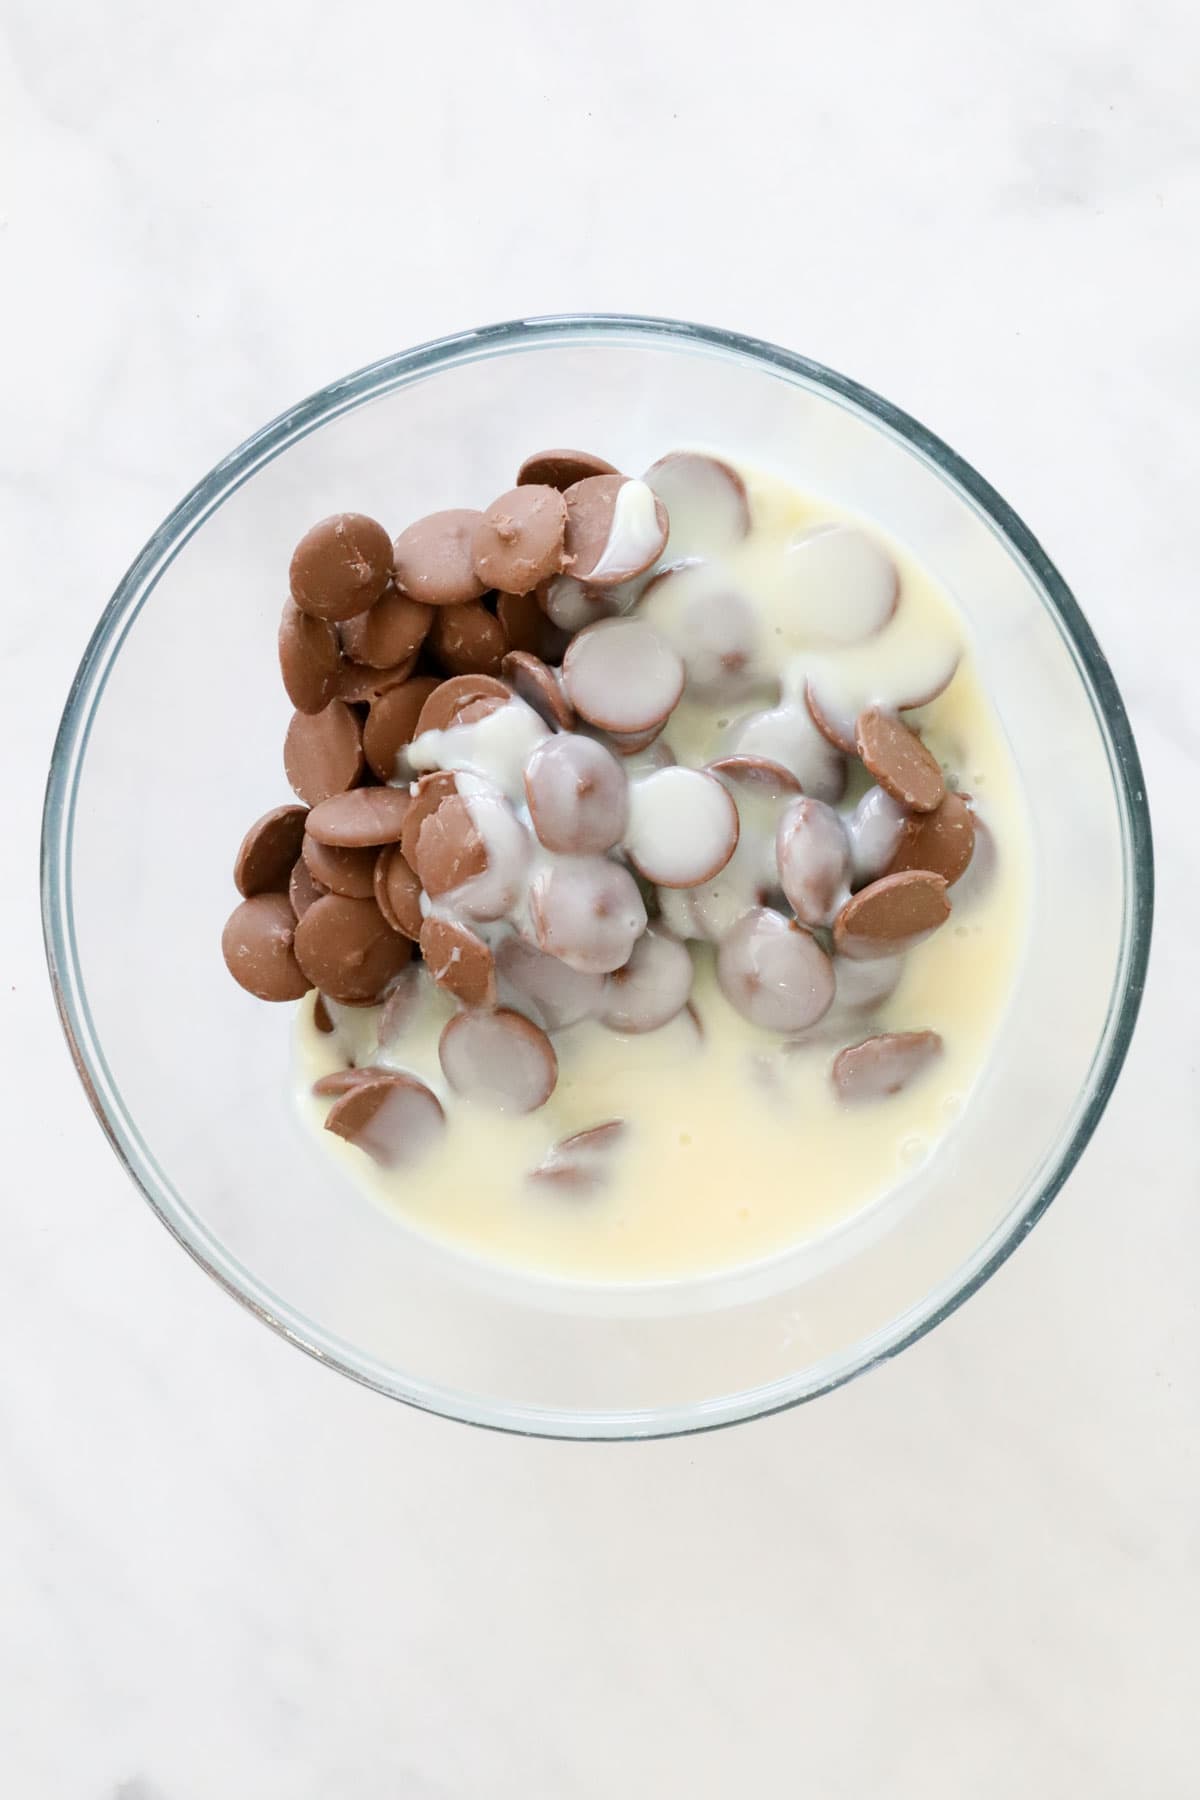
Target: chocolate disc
(519, 540)
(538, 686)
(755, 776)
(302, 888)
(571, 605)
(348, 950)
(786, 734)
(362, 819)
(467, 640)
(882, 1066)
(577, 795)
(715, 626)
(899, 760)
(459, 961)
(323, 752)
(341, 566)
(395, 1118)
(392, 723)
(621, 675)
(450, 849)
(340, 1081)
(615, 529)
(358, 684)
(434, 559)
(545, 989)
(350, 873)
(653, 986)
(588, 912)
(427, 796)
(891, 915)
(561, 469)
(443, 706)
(398, 893)
(813, 858)
(258, 946)
(269, 850)
(683, 827)
(393, 630)
(527, 627)
(841, 585)
(705, 499)
(942, 841)
(774, 972)
(874, 829)
(499, 1059)
(582, 1162)
(310, 659)
(835, 725)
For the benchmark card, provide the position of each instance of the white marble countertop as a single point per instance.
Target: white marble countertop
(226, 1571)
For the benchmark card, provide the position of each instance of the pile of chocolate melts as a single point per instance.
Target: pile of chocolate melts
(468, 613)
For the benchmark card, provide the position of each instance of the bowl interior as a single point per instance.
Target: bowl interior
(172, 744)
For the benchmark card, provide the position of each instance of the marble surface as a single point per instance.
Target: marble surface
(225, 1570)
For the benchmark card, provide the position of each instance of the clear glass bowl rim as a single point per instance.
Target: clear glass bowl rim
(133, 592)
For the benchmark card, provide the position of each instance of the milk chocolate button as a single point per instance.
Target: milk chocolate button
(477, 849)
(434, 558)
(829, 716)
(561, 468)
(577, 794)
(310, 659)
(467, 640)
(427, 796)
(340, 1081)
(841, 585)
(632, 743)
(942, 841)
(786, 734)
(899, 760)
(582, 1162)
(395, 1118)
(302, 888)
(398, 893)
(882, 1066)
(392, 723)
(451, 697)
(653, 986)
(813, 858)
(570, 605)
(348, 950)
(362, 819)
(757, 777)
(774, 972)
(393, 630)
(323, 752)
(519, 540)
(705, 499)
(499, 1059)
(268, 851)
(450, 850)
(862, 985)
(350, 873)
(341, 566)
(527, 627)
(683, 827)
(715, 626)
(874, 829)
(621, 675)
(615, 529)
(544, 988)
(891, 915)
(459, 961)
(258, 947)
(588, 912)
(359, 685)
(537, 684)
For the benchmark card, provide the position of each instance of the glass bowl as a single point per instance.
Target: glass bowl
(171, 741)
